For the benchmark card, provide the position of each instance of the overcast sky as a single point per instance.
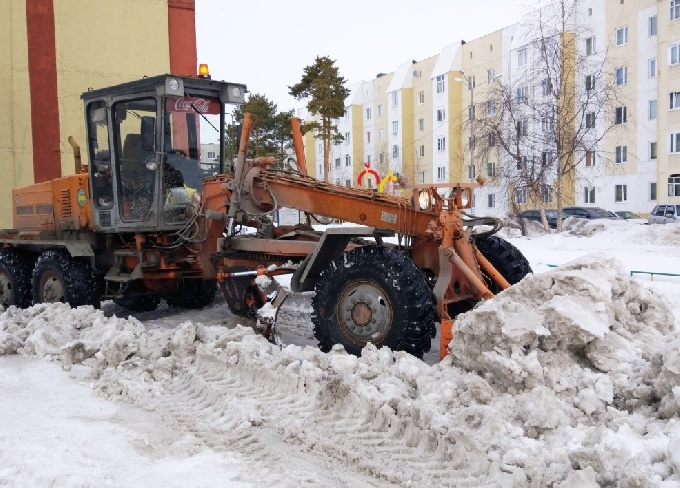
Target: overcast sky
(267, 43)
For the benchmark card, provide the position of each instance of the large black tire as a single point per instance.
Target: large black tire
(58, 277)
(15, 278)
(373, 294)
(508, 261)
(506, 258)
(194, 294)
(139, 303)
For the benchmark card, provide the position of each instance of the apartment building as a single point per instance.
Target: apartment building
(424, 119)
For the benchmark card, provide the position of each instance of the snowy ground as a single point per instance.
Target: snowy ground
(571, 378)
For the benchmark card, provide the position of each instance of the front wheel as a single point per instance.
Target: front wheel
(15, 279)
(58, 277)
(508, 261)
(373, 294)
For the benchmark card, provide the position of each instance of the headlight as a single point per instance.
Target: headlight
(423, 200)
(173, 84)
(464, 198)
(236, 92)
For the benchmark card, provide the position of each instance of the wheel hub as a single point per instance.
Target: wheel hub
(364, 313)
(52, 289)
(5, 290)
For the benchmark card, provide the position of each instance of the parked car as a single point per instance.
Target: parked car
(587, 213)
(664, 214)
(626, 214)
(550, 214)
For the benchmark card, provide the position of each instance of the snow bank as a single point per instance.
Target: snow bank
(570, 378)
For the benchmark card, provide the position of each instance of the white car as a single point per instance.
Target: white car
(664, 214)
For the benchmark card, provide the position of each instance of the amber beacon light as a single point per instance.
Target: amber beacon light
(203, 71)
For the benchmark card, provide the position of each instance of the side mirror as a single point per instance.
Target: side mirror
(148, 133)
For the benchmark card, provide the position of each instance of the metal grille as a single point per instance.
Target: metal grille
(66, 202)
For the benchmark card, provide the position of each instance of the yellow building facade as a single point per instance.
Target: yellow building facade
(52, 51)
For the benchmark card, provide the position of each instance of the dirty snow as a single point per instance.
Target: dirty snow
(570, 378)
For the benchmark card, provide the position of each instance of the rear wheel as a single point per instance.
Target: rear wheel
(373, 294)
(15, 279)
(508, 261)
(58, 277)
(195, 293)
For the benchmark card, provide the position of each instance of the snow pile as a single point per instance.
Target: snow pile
(570, 378)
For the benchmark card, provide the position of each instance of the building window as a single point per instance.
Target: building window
(380, 110)
(621, 154)
(337, 162)
(651, 26)
(590, 46)
(674, 56)
(346, 116)
(441, 115)
(490, 75)
(440, 84)
(651, 109)
(395, 98)
(521, 196)
(652, 191)
(590, 82)
(652, 150)
(441, 143)
(471, 172)
(590, 120)
(490, 170)
(674, 186)
(421, 124)
(337, 182)
(421, 151)
(346, 137)
(348, 182)
(395, 151)
(522, 93)
(319, 149)
(651, 72)
(490, 108)
(590, 158)
(546, 158)
(675, 9)
(589, 196)
(211, 154)
(348, 160)
(421, 97)
(491, 200)
(381, 134)
(622, 36)
(368, 137)
(522, 57)
(441, 173)
(382, 158)
(621, 76)
(421, 177)
(368, 159)
(368, 114)
(395, 126)
(546, 87)
(547, 124)
(674, 100)
(491, 139)
(674, 146)
(547, 193)
(620, 115)
(522, 127)
(620, 193)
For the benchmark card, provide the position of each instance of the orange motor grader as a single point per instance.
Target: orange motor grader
(147, 217)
